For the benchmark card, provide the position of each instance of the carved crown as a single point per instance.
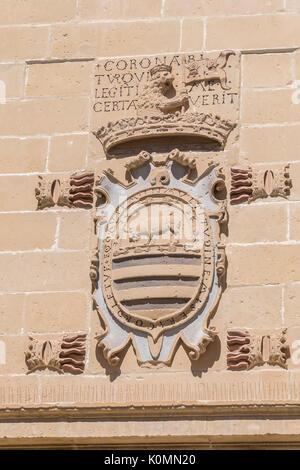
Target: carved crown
(203, 126)
(159, 68)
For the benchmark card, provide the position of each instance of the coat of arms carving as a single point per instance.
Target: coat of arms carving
(160, 258)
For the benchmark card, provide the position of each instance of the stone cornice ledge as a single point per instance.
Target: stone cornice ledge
(186, 411)
(248, 394)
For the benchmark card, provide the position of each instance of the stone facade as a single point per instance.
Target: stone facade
(149, 102)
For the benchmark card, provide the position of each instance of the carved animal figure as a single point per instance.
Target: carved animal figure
(154, 98)
(209, 69)
(196, 167)
(122, 173)
(160, 224)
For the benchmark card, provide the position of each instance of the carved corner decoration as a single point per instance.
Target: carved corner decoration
(65, 355)
(249, 349)
(75, 191)
(157, 273)
(250, 184)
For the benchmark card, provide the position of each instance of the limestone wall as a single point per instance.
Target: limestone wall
(49, 50)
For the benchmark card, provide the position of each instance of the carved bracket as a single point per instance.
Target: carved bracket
(250, 184)
(75, 191)
(247, 350)
(65, 355)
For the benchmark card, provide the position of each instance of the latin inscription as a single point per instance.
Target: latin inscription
(120, 81)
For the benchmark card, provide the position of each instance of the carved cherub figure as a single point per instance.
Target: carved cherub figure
(156, 98)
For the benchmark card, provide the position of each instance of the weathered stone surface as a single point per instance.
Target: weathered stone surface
(58, 79)
(36, 11)
(11, 313)
(44, 271)
(44, 116)
(252, 224)
(75, 231)
(216, 8)
(270, 144)
(16, 193)
(263, 264)
(93, 9)
(253, 32)
(23, 155)
(269, 107)
(267, 70)
(29, 231)
(192, 91)
(114, 39)
(19, 43)
(68, 152)
(292, 296)
(56, 312)
(13, 77)
(248, 307)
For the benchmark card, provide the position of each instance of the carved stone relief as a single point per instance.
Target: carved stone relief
(74, 191)
(248, 348)
(159, 203)
(160, 257)
(209, 69)
(64, 355)
(250, 184)
(171, 83)
(156, 280)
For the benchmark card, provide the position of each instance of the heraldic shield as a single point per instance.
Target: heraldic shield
(160, 261)
(160, 257)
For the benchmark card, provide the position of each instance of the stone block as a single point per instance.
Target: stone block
(58, 79)
(263, 264)
(56, 312)
(255, 223)
(118, 9)
(23, 155)
(22, 42)
(75, 230)
(11, 313)
(28, 231)
(253, 32)
(270, 144)
(44, 116)
(68, 152)
(42, 271)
